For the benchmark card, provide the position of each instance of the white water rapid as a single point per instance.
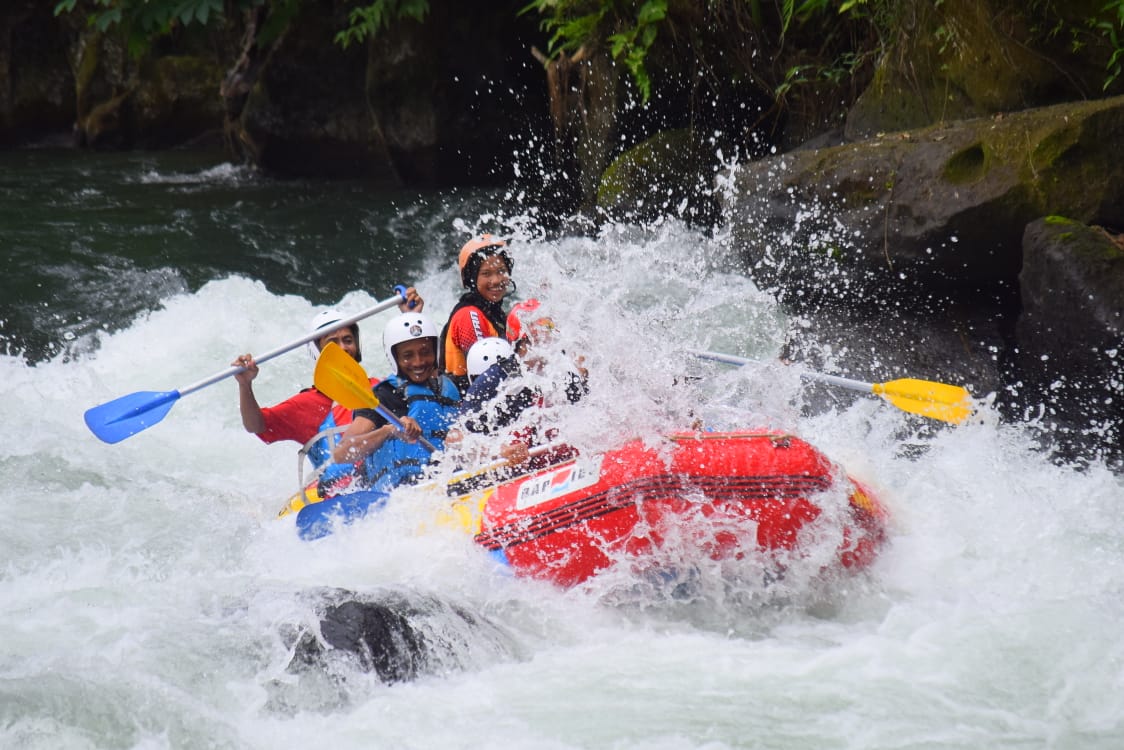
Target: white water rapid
(147, 589)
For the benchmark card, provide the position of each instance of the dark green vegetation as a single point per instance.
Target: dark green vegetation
(411, 91)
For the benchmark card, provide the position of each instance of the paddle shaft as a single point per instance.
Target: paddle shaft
(127, 415)
(461, 476)
(386, 304)
(729, 359)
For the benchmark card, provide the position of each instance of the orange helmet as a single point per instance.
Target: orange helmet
(473, 254)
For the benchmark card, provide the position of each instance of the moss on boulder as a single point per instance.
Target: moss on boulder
(658, 177)
(942, 206)
(959, 59)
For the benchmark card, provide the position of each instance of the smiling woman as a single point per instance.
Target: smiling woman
(485, 270)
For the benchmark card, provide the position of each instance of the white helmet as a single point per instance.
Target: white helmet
(485, 353)
(326, 319)
(406, 327)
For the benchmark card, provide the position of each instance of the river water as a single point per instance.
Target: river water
(149, 594)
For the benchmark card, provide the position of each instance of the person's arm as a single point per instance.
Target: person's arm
(252, 418)
(413, 301)
(515, 453)
(361, 439)
(473, 410)
(369, 430)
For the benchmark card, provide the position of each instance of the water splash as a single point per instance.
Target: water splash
(150, 594)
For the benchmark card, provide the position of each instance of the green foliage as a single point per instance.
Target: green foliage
(1047, 21)
(368, 20)
(1112, 29)
(147, 16)
(571, 25)
(808, 9)
(144, 20)
(631, 45)
(629, 26)
(872, 15)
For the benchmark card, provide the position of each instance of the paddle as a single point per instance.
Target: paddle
(345, 381)
(301, 498)
(467, 474)
(124, 417)
(948, 403)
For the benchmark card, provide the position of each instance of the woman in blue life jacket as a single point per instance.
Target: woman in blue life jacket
(425, 402)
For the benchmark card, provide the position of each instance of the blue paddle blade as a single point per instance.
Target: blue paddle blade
(123, 417)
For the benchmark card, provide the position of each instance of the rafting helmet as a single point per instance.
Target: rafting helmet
(473, 254)
(326, 319)
(485, 353)
(407, 327)
(525, 321)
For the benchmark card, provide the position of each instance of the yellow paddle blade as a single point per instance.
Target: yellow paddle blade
(342, 379)
(948, 403)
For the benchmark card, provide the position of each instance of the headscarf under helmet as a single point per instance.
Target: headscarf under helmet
(473, 254)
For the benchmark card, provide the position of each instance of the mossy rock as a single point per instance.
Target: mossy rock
(960, 59)
(944, 206)
(177, 99)
(1070, 334)
(651, 179)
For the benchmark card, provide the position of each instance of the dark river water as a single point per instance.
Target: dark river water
(92, 240)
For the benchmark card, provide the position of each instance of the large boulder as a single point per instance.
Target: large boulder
(940, 210)
(1070, 334)
(666, 175)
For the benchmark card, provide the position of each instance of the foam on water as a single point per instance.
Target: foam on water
(148, 589)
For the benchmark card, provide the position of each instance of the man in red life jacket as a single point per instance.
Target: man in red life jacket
(305, 415)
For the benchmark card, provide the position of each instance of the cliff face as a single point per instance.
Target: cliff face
(36, 82)
(433, 103)
(459, 97)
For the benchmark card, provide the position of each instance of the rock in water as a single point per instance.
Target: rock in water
(397, 635)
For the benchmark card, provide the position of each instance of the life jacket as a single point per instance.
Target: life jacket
(399, 461)
(451, 359)
(485, 409)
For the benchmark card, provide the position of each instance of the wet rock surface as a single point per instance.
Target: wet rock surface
(396, 635)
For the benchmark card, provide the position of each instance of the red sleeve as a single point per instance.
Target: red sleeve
(297, 418)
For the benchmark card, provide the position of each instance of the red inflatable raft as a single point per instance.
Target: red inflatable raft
(723, 494)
